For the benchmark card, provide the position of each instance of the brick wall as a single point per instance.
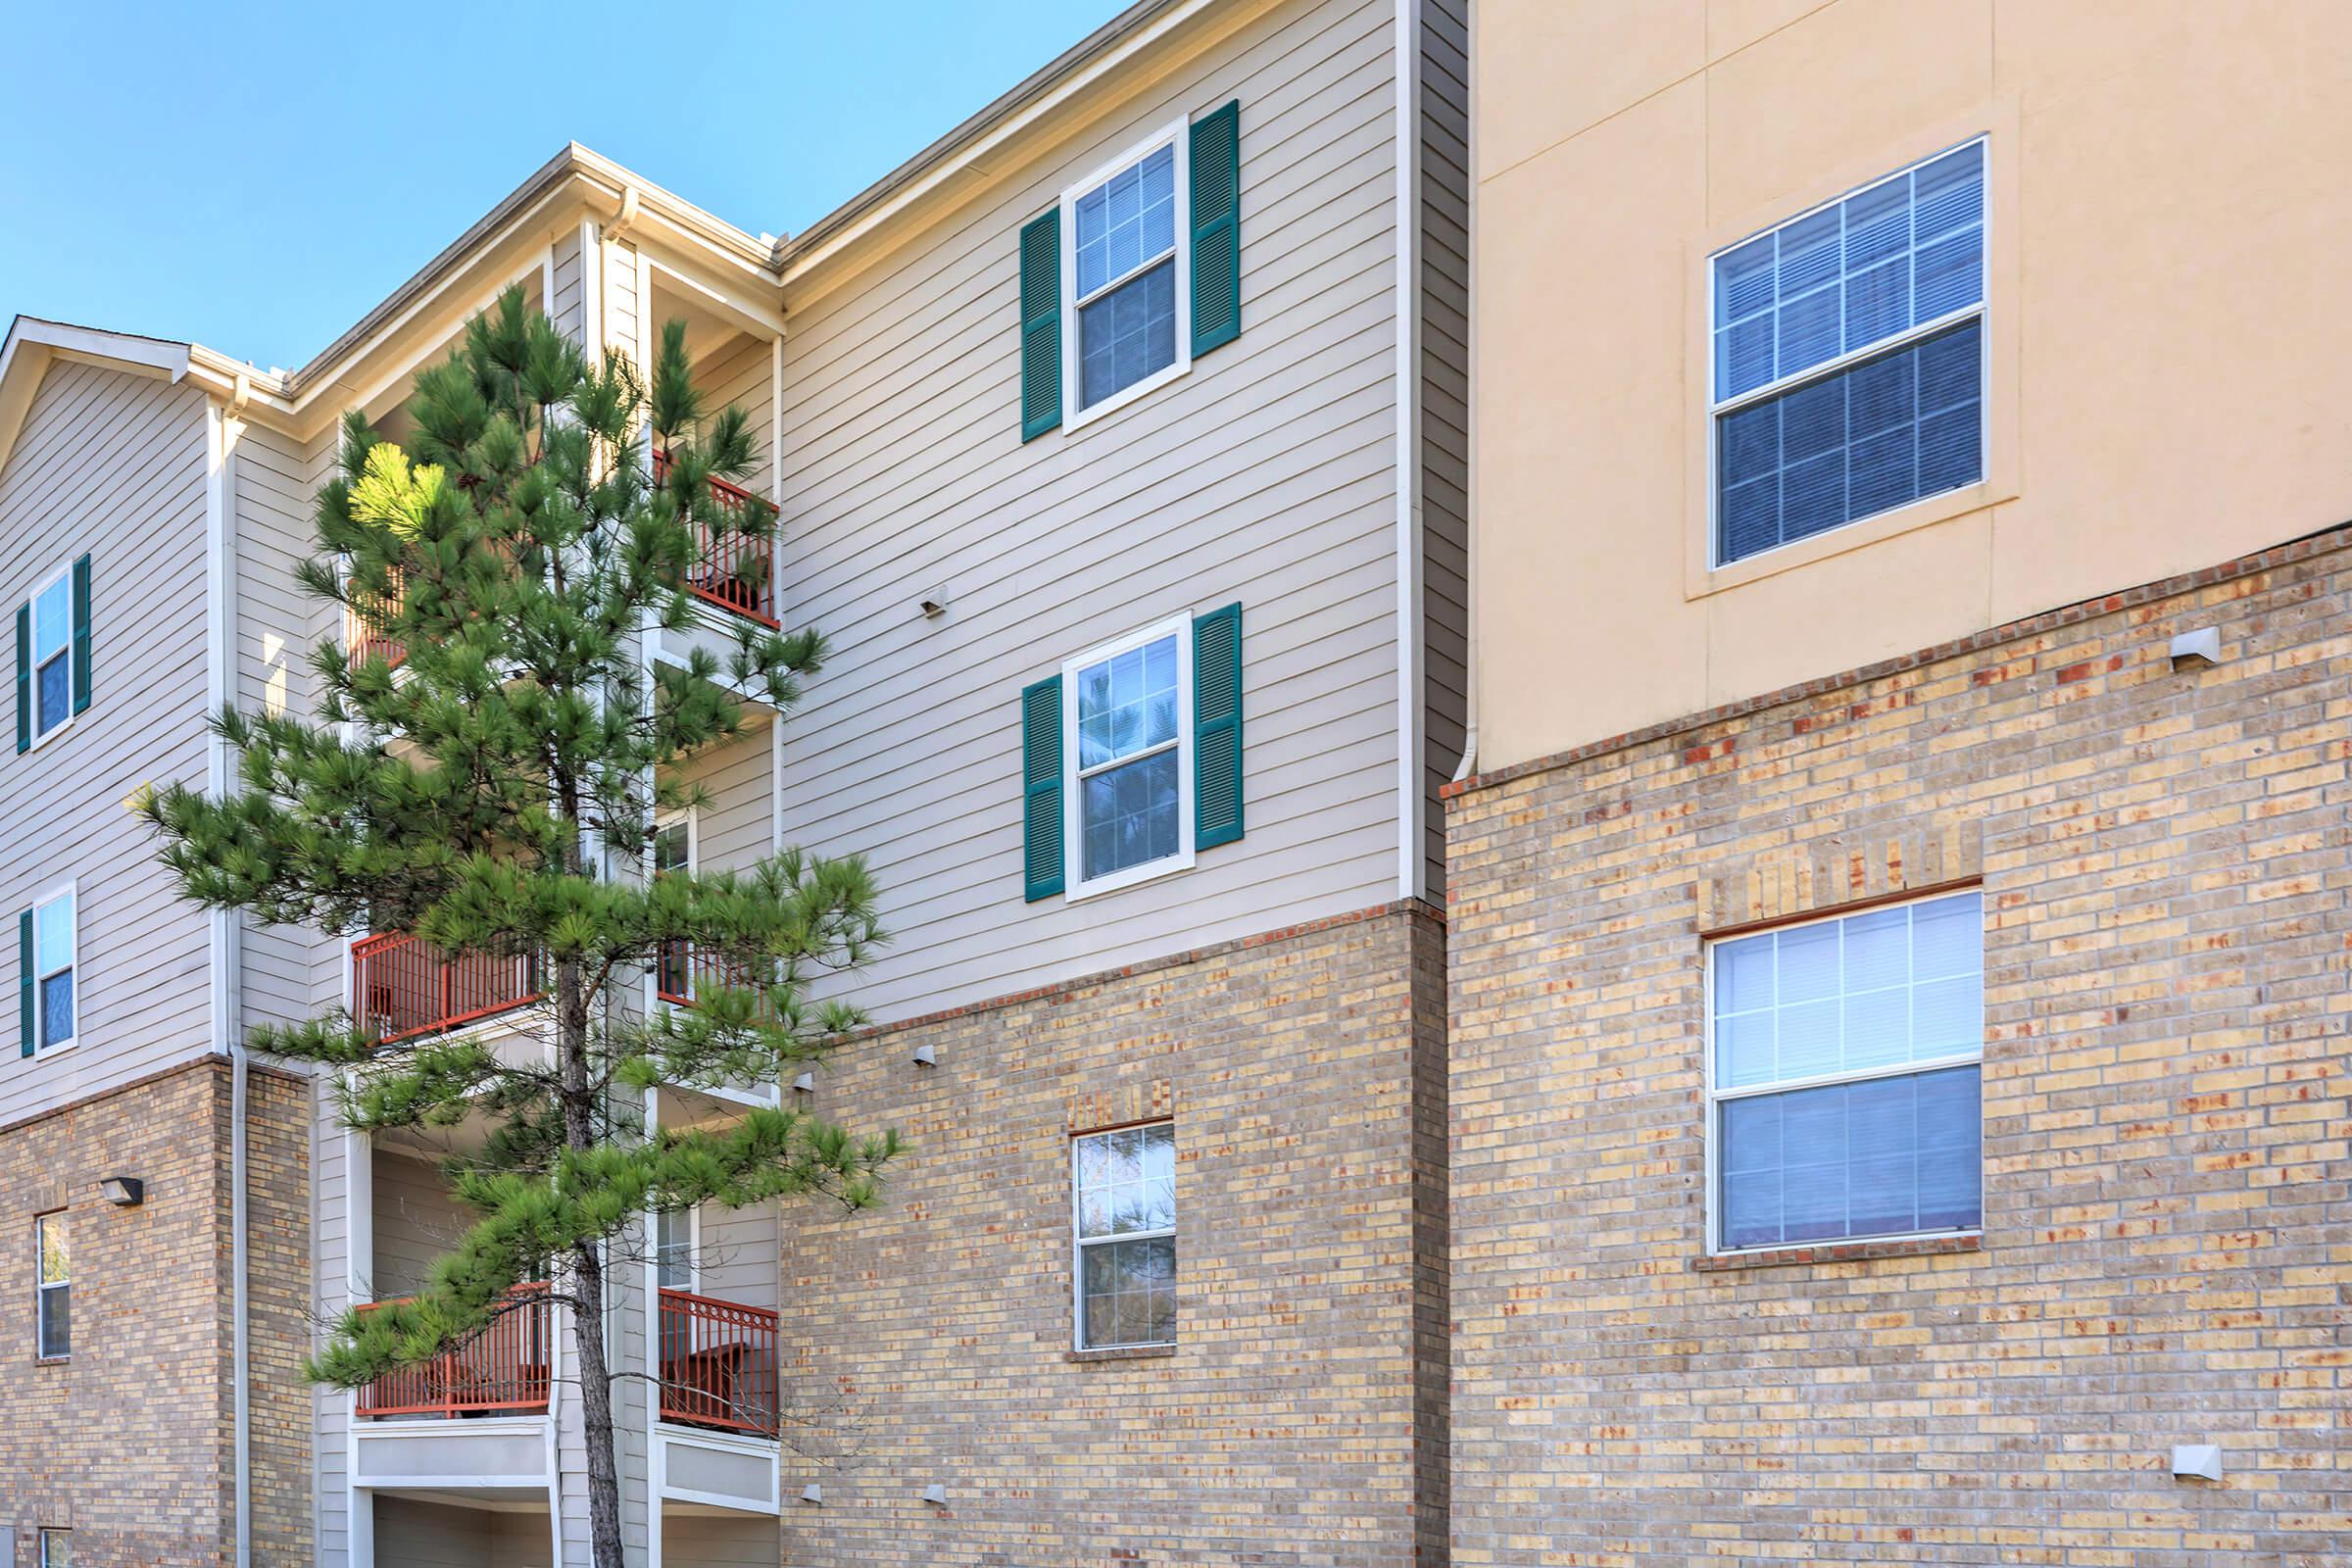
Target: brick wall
(129, 1442)
(2166, 860)
(1298, 1421)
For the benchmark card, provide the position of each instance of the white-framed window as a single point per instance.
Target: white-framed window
(1123, 1192)
(53, 1288)
(56, 946)
(677, 1248)
(673, 848)
(1127, 769)
(1844, 1064)
(1126, 307)
(57, 1547)
(1848, 357)
(52, 662)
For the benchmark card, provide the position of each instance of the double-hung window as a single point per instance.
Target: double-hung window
(52, 1289)
(673, 850)
(1844, 1062)
(53, 655)
(1848, 357)
(675, 1252)
(1124, 1186)
(1128, 711)
(1126, 312)
(46, 950)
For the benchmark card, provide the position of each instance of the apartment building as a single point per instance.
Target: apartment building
(1897, 909)
(1118, 441)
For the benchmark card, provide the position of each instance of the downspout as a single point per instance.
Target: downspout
(222, 427)
(1468, 765)
(1412, 868)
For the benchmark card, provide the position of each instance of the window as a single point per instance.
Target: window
(1848, 357)
(45, 942)
(1125, 1190)
(57, 1548)
(52, 1289)
(1125, 311)
(674, 1237)
(53, 655)
(673, 850)
(1843, 1077)
(1127, 710)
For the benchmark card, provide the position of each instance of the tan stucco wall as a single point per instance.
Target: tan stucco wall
(2171, 206)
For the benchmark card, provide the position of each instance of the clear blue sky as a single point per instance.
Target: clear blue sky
(254, 176)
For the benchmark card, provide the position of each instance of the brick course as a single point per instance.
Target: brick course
(2167, 863)
(1299, 1419)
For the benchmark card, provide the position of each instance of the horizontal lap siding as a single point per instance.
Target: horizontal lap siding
(416, 1221)
(1265, 475)
(112, 464)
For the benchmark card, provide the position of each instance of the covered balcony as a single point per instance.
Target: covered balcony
(402, 988)
(718, 1364)
(504, 1370)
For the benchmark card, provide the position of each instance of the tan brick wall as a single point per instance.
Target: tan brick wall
(130, 1442)
(1293, 1424)
(2167, 866)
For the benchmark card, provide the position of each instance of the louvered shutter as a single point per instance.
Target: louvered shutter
(82, 634)
(1041, 790)
(24, 677)
(1217, 727)
(1217, 218)
(25, 1034)
(1040, 323)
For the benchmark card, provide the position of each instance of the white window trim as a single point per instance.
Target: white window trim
(1080, 1243)
(1718, 408)
(1716, 1097)
(42, 1288)
(1073, 416)
(48, 580)
(71, 888)
(693, 1251)
(693, 818)
(1073, 826)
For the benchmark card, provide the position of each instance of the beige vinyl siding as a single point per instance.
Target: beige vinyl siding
(624, 309)
(413, 1533)
(733, 825)
(569, 308)
(1265, 475)
(738, 1258)
(691, 1540)
(743, 375)
(278, 626)
(1445, 389)
(330, 1272)
(112, 464)
(416, 1221)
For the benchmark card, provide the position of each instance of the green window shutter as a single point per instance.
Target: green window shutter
(1041, 789)
(1217, 727)
(1040, 323)
(1217, 167)
(24, 677)
(24, 1037)
(82, 634)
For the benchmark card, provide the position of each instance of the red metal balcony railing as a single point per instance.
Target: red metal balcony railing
(735, 572)
(718, 1364)
(682, 971)
(364, 638)
(503, 1368)
(402, 988)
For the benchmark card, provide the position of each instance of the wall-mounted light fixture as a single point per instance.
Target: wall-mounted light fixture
(124, 1192)
(805, 1084)
(936, 1495)
(925, 1056)
(813, 1492)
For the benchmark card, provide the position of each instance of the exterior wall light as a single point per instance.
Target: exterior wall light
(124, 1192)
(805, 1084)
(936, 1495)
(2195, 649)
(925, 1056)
(813, 1492)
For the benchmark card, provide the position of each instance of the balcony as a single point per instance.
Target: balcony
(683, 972)
(402, 988)
(363, 638)
(736, 571)
(504, 1370)
(718, 1364)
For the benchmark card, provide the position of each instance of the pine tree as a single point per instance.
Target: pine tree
(496, 796)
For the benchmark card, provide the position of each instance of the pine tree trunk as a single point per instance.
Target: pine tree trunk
(596, 1409)
(588, 1270)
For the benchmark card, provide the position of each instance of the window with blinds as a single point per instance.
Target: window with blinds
(1844, 1064)
(1848, 357)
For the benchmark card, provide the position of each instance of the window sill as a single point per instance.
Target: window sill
(1839, 1253)
(53, 1361)
(1120, 1352)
